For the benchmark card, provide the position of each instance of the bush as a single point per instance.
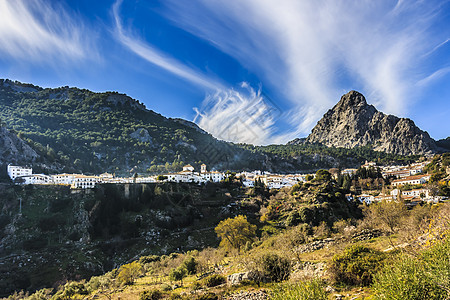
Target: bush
(149, 259)
(208, 296)
(357, 265)
(129, 273)
(306, 290)
(275, 267)
(71, 289)
(196, 285)
(214, 280)
(177, 274)
(165, 287)
(406, 279)
(151, 295)
(190, 264)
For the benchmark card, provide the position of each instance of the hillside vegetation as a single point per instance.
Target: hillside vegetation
(78, 130)
(304, 242)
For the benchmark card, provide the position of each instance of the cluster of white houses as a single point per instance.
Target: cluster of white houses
(409, 175)
(24, 175)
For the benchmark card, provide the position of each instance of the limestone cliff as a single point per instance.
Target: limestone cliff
(352, 123)
(14, 150)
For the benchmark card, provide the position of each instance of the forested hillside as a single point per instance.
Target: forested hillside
(95, 132)
(83, 131)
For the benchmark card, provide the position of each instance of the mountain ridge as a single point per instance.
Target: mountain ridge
(352, 122)
(77, 130)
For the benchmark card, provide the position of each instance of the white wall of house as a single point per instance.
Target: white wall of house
(16, 171)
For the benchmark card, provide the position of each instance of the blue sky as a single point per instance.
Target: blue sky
(255, 71)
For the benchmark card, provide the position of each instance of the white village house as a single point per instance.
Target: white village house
(17, 171)
(417, 179)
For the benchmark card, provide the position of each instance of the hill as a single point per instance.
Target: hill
(95, 132)
(76, 130)
(352, 123)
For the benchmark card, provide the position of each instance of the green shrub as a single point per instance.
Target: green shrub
(208, 296)
(150, 295)
(306, 290)
(214, 280)
(69, 290)
(190, 264)
(177, 274)
(425, 277)
(406, 279)
(196, 285)
(275, 267)
(42, 294)
(357, 265)
(149, 259)
(129, 273)
(437, 263)
(165, 287)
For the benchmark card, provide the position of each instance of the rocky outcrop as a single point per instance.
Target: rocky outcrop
(14, 150)
(352, 123)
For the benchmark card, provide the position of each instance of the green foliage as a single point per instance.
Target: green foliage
(306, 290)
(70, 290)
(149, 259)
(161, 178)
(151, 295)
(129, 273)
(235, 232)
(298, 155)
(190, 264)
(177, 274)
(94, 132)
(406, 278)
(357, 265)
(322, 175)
(274, 267)
(208, 296)
(42, 294)
(387, 215)
(214, 280)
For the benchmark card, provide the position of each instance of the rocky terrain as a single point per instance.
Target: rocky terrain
(14, 150)
(352, 123)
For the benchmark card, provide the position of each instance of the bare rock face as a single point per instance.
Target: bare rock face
(352, 123)
(14, 150)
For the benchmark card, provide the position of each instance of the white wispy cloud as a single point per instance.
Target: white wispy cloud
(35, 30)
(158, 58)
(237, 115)
(304, 49)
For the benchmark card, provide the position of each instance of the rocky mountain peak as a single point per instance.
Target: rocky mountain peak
(352, 122)
(352, 99)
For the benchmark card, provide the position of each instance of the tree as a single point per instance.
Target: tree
(177, 274)
(323, 175)
(387, 214)
(161, 178)
(235, 232)
(129, 273)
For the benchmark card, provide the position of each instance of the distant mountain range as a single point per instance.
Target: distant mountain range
(70, 129)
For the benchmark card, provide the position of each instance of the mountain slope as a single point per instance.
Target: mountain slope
(81, 131)
(353, 123)
(95, 132)
(14, 150)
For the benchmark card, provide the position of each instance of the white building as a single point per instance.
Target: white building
(189, 168)
(418, 179)
(17, 171)
(63, 178)
(35, 179)
(416, 193)
(84, 182)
